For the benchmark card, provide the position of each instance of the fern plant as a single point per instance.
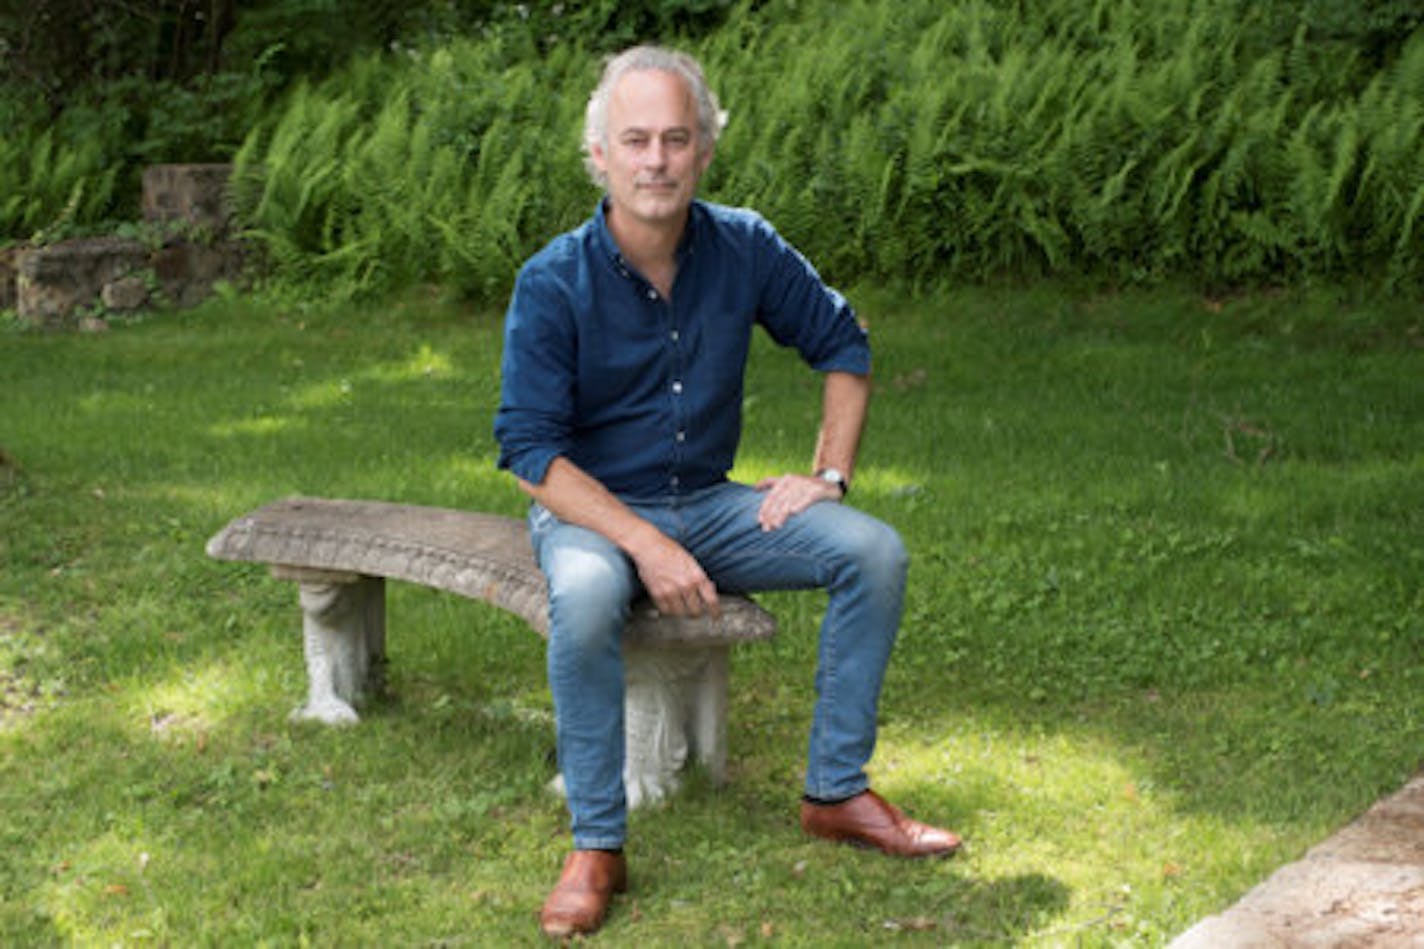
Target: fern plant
(914, 140)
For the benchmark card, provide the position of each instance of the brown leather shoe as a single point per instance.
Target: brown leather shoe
(868, 820)
(580, 899)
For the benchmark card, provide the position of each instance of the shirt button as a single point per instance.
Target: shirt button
(652, 294)
(674, 335)
(677, 388)
(682, 436)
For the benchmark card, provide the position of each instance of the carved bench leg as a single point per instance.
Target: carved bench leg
(676, 704)
(343, 637)
(709, 713)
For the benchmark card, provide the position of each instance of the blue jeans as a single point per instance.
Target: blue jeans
(860, 561)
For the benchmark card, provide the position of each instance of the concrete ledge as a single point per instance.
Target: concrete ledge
(1364, 887)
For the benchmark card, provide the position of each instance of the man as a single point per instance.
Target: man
(625, 346)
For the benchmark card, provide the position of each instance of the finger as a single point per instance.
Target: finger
(669, 605)
(709, 597)
(781, 508)
(689, 605)
(694, 601)
(769, 515)
(675, 601)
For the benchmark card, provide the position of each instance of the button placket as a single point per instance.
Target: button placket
(675, 387)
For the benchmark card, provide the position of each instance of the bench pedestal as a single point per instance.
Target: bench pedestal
(343, 639)
(675, 705)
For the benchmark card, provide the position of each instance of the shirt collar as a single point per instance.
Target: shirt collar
(609, 247)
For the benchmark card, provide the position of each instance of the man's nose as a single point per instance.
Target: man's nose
(656, 155)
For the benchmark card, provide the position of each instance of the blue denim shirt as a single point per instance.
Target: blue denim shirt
(642, 392)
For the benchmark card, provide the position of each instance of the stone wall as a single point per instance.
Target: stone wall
(195, 195)
(55, 281)
(60, 285)
(9, 264)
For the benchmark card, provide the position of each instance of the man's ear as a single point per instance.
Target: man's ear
(705, 159)
(599, 159)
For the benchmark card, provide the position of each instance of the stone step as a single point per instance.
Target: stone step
(54, 285)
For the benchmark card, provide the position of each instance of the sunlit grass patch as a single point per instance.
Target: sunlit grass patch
(193, 700)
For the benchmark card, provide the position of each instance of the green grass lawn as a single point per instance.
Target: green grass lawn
(1163, 634)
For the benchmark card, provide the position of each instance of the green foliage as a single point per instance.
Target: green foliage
(1217, 141)
(911, 140)
(1374, 29)
(610, 25)
(57, 49)
(1125, 142)
(445, 167)
(46, 187)
(79, 170)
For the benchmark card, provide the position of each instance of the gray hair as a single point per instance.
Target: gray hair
(711, 119)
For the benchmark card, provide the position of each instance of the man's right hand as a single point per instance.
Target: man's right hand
(675, 581)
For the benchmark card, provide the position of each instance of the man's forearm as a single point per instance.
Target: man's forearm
(673, 579)
(844, 404)
(576, 497)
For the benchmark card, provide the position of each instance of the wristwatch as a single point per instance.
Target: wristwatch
(834, 477)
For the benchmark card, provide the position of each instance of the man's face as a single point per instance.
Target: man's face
(651, 158)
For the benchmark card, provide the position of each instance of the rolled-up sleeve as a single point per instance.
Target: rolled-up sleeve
(534, 422)
(798, 309)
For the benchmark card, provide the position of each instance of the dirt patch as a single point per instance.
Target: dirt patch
(17, 699)
(20, 696)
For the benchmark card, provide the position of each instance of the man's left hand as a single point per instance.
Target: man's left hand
(789, 495)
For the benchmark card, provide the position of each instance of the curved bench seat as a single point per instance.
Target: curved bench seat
(340, 552)
(476, 555)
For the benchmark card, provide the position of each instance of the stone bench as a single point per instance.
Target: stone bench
(340, 553)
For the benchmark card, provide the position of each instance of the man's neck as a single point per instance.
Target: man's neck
(650, 246)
